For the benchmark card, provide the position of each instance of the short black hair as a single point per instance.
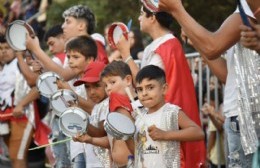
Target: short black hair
(151, 72)
(82, 12)
(2, 39)
(53, 32)
(116, 68)
(163, 18)
(85, 45)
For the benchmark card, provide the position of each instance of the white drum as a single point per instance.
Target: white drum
(47, 83)
(16, 34)
(119, 126)
(63, 99)
(73, 121)
(152, 5)
(115, 31)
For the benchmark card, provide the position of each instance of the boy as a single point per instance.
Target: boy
(162, 126)
(165, 51)
(116, 77)
(95, 89)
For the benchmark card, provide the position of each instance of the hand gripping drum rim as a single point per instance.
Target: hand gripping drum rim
(115, 30)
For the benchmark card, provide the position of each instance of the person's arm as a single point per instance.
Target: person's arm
(189, 131)
(124, 48)
(255, 7)
(97, 131)
(31, 96)
(85, 138)
(33, 45)
(28, 74)
(210, 44)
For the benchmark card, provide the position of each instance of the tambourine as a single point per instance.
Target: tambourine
(47, 83)
(115, 31)
(151, 5)
(73, 121)
(62, 99)
(16, 34)
(119, 126)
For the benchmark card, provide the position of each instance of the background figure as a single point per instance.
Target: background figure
(136, 43)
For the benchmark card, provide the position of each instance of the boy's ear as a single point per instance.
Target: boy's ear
(129, 80)
(165, 88)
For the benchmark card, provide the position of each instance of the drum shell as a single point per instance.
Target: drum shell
(111, 130)
(51, 85)
(67, 95)
(17, 41)
(111, 32)
(69, 114)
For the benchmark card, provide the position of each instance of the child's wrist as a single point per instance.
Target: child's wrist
(127, 59)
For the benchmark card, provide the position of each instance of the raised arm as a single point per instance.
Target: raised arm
(210, 44)
(33, 45)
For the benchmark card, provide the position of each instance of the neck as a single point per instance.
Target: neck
(158, 32)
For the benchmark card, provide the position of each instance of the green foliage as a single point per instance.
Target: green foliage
(209, 13)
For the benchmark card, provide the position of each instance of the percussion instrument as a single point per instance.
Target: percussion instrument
(151, 5)
(119, 126)
(62, 99)
(46, 83)
(73, 121)
(16, 34)
(115, 31)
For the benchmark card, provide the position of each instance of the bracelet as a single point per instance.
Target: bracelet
(257, 12)
(128, 59)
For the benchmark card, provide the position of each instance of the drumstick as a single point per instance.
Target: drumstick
(128, 92)
(50, 144)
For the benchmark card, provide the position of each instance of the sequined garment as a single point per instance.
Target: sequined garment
(170, 149)
(247, 67)
(101, 153)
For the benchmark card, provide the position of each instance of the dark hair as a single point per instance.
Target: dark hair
(163, 18)
(138, 43)
(116, 68)
(85, 45)
(2, 39)
(212, 95)
(151, 72)
(82, 12)
(53, 32)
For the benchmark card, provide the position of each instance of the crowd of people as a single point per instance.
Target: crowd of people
(150, 87)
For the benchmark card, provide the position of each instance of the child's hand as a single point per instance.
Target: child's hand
(207, 109)
(156, 133)
(63, 85)
(85, 138)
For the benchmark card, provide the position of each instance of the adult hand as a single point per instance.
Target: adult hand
(85, 138)
(18, 111)
(170, 5)
(250, 38)
(36, 66)
(32, 43)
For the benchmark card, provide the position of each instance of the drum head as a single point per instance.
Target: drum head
(16, 34)
(152, 5)
(62, 99)
(73, 121)
(115, 31)
(46, 83)
(120, 123)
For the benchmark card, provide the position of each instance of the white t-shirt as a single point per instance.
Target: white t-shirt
(97, 112)
(231, 91)
(151, 154)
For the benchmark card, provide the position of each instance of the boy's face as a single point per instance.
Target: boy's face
(77, 62)
(96, 91)
(151, 94)
(56, 44)
(116, 84)
(73, 27)
(7, 53)
(144, 21)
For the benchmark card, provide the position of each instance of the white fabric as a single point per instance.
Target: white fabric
(231, 92)
(92, 159)
(152, 150)
(150, 57)
(7, 83)
(57, 60)
(77, 147)
(246, 9)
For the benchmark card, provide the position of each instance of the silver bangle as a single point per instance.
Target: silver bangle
(128, 59)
